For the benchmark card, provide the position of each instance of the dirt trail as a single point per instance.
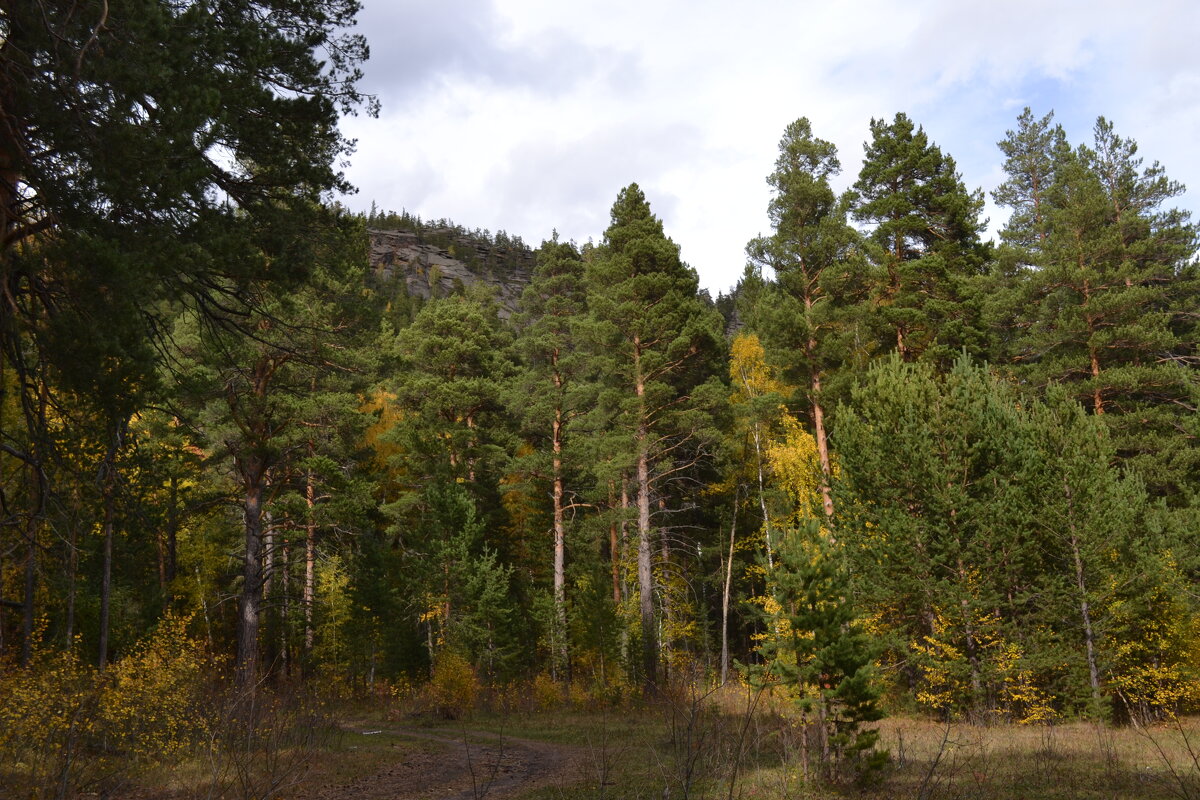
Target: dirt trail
(490, 766)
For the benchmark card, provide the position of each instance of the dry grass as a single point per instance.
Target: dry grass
(640, 755)
(689, 745)
(1076, 761)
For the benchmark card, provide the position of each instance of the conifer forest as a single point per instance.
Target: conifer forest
(265, 466)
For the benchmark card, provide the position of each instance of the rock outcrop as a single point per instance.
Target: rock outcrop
(438, 262)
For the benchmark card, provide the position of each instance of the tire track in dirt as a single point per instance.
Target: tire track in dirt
(476, 765)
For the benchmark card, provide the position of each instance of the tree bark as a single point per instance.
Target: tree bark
(310, 564)
(27, 604)
(1085, 611)
(285, 604)
(762, 499)
(818, 414)
(110, 500)
(725, 599)
(560, 663)
(106, 577)
(72, 577)
(172, 561)
(667, 614)
(645, 577)
(250, 599)
(613, 545)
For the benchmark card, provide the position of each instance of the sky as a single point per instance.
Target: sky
(530, 115)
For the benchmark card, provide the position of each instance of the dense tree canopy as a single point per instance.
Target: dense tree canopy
(216, 422)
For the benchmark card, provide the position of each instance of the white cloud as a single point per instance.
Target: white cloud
(531, 114)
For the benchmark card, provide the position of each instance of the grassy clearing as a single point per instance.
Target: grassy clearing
(689, 747)
(707, 746)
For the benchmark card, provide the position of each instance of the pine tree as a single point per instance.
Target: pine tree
(1031, 156)
(657, 340)
(816, 258)
(550, 392)
(1087, 513)
(454, 361)
(816, 646)
(258, 399)
(1107, 310)
(926, 233)
(935, 506)
(1033, 153)
(146, 151)
(149, 145)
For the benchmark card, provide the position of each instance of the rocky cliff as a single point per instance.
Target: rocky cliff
(437, 262)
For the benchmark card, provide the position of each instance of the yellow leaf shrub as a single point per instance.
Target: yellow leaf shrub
(148, 701)
(47, 711)
(547, 695)
(453, 688)
(1155, 659)
(62, 723)
(1002, 671)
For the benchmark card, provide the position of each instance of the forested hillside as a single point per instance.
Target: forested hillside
(924, 472)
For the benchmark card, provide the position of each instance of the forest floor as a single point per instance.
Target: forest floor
(449, 764)
(652, 752)
(701, 746)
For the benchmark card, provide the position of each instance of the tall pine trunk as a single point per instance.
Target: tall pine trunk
(310, 564)
(560, 663)
(645, 576)
(614, 552)
(818, 415)
(250, 600)
(725, 598)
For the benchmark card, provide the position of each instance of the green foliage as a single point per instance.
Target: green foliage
(466, 589)
(997, 543)
(657, 347)
(817, 648)
(452, 364)
(1105, 313)
(203, 397)
(811, 314)
(925, 235)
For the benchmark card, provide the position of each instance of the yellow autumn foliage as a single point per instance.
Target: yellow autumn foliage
(1155, 663)
(148, 700)
(947, 681)
(453, 687)
(796, 467)
(62, 720)
(749, 372)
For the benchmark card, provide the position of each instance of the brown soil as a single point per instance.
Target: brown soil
(490, 766)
